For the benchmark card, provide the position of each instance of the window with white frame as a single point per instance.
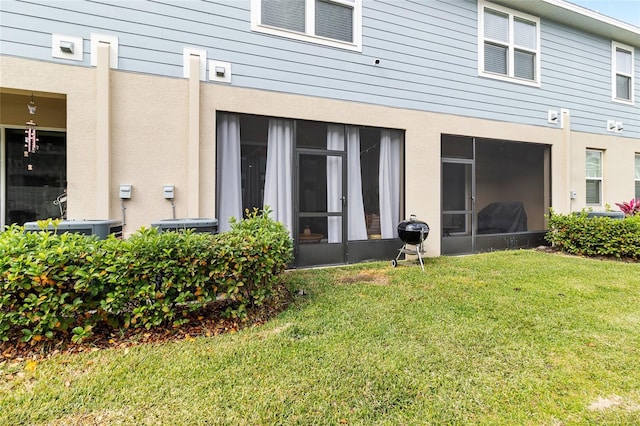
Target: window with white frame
(594, 177)
(622, 72)
(637, 176)
(336, 23)
(508, 44)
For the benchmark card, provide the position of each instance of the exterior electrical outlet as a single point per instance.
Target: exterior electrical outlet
(169, 192)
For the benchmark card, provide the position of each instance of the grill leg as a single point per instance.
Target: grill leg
(419, 250)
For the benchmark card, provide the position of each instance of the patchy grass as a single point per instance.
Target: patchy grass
(515, 337)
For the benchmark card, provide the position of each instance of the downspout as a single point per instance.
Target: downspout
(103, 132)
(566, 140)
(193, 150)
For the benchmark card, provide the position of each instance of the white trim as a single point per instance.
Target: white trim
(112, 41)
(635, 180)
(511, 45)
(309, 34)
(3, 174)
(593, 15)
(614, 72)
(187, 52)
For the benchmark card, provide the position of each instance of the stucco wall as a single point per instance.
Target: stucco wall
(150, 126)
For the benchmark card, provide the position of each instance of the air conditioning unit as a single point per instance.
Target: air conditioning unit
(100, 228)
(197, 225)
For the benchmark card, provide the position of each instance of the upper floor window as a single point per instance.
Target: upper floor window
(594, 177)
(508, 44)
(622, 72)
(336, 23)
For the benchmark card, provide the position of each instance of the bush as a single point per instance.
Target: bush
(60, 285)
(595, 236)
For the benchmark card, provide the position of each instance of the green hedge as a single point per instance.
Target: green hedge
(53, 286)
(595, 236)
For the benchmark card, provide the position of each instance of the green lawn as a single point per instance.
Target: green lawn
(512, 338)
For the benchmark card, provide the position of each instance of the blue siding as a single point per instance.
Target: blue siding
(427, 52)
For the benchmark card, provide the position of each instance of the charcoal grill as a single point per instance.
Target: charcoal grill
(412, 232)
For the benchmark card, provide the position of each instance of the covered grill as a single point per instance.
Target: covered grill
(412, 232)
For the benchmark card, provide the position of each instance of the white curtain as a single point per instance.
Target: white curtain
(278, 179)
(335, 141)
(389, 182)
(356, 221)
(229, 183)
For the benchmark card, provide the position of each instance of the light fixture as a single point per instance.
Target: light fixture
(619, 127)
(32, 106)
(220, 71)
(552, 116)
(611, 125)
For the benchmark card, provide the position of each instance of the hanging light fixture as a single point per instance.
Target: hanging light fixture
(32, 106)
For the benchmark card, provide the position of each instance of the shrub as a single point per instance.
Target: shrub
(59, 285)
(631, 208)
(595, 236)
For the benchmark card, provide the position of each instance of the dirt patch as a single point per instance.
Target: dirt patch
(612, 402)
(375, 276)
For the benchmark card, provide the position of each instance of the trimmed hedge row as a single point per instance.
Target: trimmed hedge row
(52, 286)
(595, 236)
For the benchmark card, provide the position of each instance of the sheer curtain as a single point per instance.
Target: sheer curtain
(279, 180)
(355, 212)
(229, 183)
(356, 219)
(335, 142)
(389, 182)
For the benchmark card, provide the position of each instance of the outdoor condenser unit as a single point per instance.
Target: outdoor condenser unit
(99, 228)
(197, 225)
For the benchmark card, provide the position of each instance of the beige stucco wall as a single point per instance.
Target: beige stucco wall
(149, 134)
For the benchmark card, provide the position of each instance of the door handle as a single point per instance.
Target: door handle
(344, 200)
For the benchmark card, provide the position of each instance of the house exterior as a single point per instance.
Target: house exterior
(343, 116)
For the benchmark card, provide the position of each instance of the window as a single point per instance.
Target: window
(509, 44)
(594, 177)
(637, 176)
(622, 72)
(334, 23)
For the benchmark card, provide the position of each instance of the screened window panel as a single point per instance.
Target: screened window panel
(593, 191)
(524, 65)
(594, 164)
(623, 61)
(623, 87)
(524, 33)
(495, 58)
(287, 14)
(637, 166)
(334, 21)
(637, 189)
(496, 25)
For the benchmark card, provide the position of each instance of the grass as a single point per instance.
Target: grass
(516, 337)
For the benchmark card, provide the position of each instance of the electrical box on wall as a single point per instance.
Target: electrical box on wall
(125, 191)
(169, 192)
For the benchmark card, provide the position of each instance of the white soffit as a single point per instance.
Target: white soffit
(578, 17)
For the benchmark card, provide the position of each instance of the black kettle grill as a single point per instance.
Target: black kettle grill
(412, 232)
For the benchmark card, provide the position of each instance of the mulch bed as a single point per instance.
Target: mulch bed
(206, 322)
